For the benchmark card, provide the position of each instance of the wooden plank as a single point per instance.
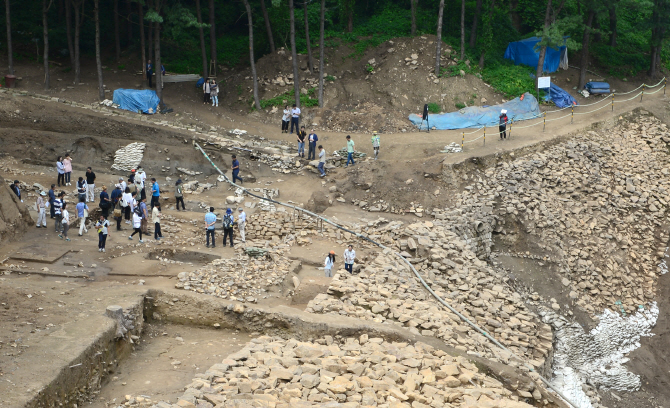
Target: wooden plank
(181, 78)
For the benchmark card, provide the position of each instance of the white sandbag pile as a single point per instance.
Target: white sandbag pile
(129, 157)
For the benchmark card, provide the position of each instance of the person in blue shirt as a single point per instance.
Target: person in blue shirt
(155, 192)
(150, 72)
(16, 188)
(236, 170)
(210, 220)
(52, 198)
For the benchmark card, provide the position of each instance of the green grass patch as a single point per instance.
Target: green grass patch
(330, 78)
(287, 98)
(434, 108)
(460, 105)
(455, 70)
(121, 67)
(511, 80)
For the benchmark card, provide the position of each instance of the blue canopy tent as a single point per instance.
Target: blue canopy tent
(137, 100)
(478, 116)
(523, 52)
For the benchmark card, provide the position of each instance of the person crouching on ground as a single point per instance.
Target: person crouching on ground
(328, 265)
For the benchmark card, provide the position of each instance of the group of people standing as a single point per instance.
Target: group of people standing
(228, 222)
(349, 258)
(211, 91)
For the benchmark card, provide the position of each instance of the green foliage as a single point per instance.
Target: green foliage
(511, 80)
(460, 105)
(434, 108)
(330, 78)
(287, 98)
(233, 50)
(121, 67)
(620, 64)
(455, 70)
(369, 68)
(238, 88)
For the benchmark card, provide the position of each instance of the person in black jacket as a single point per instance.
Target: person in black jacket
(502, 124)
(16, 189)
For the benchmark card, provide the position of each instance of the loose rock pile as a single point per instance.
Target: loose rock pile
(129, 157)
(387, 291)
(349, 373)
(243, 278)
(594, 205)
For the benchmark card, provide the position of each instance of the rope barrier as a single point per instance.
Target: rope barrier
(414, 271)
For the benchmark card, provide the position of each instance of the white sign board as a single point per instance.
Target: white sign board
(544, 82)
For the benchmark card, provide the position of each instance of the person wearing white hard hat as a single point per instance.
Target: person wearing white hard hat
(502, 124)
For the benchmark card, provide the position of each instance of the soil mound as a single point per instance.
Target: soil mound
(14, 216)
(376, 90)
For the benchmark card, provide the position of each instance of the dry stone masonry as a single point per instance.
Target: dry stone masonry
(128, 157)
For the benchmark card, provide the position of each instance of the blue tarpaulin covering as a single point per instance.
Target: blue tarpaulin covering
(136, 100)
(598, 87)
(560, 97)
(478, 116)
(523, 52)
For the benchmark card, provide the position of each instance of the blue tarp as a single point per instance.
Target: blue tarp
(598, 87)
(136, 100)
(478, 116)
(560, 97)
(523, 52)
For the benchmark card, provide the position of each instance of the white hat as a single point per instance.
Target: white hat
(43, 193)
(240, 209)
(503, 111)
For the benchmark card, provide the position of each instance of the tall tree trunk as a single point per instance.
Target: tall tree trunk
(543, 51)
(488, 34)
(157, 65)
(438, 52)
(77, 31)
(140, 14)
(257, 102)
(514, 14)
(129, 23)
(203, 49)
(98, 59)
(10, 51)
(117, 37)
(268, 27)
(475, 21)
(321, 51)
(310, 61)
(585, 49)
(294, 54)
(413, 5)
(212, 31)
(350, 17)
(46, 5)
(613, 24)
(68, 30)
(462, 29)
(150, 40)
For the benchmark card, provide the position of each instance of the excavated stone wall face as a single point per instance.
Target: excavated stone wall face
(14, 216)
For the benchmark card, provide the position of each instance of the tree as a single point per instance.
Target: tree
(251, 54)
(203, 49)
(310, 61)
(552, 36)
(117, 37)
(98, 60)
(413, 6)
(462, 29)
(46, 5)
(140, 14)
(10, 52)
(154, 15)
(129, 22)
(543, 49)
(660, 21)
(487, 37)
(78, 15)
(347, 7)
(268, 27)
(439, 38)
(294, 54)
(68, 30)
(212, 32)
(585, 47)
(613, 23)
(150, 44)
(321, 51)
(475, 20)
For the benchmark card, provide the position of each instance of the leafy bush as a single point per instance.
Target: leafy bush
(330, 78)
(621, 64)
(306, 101)
(455, 70)
(511, 80)
(434, 108)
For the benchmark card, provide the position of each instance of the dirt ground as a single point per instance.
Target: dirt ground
(75, 292)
